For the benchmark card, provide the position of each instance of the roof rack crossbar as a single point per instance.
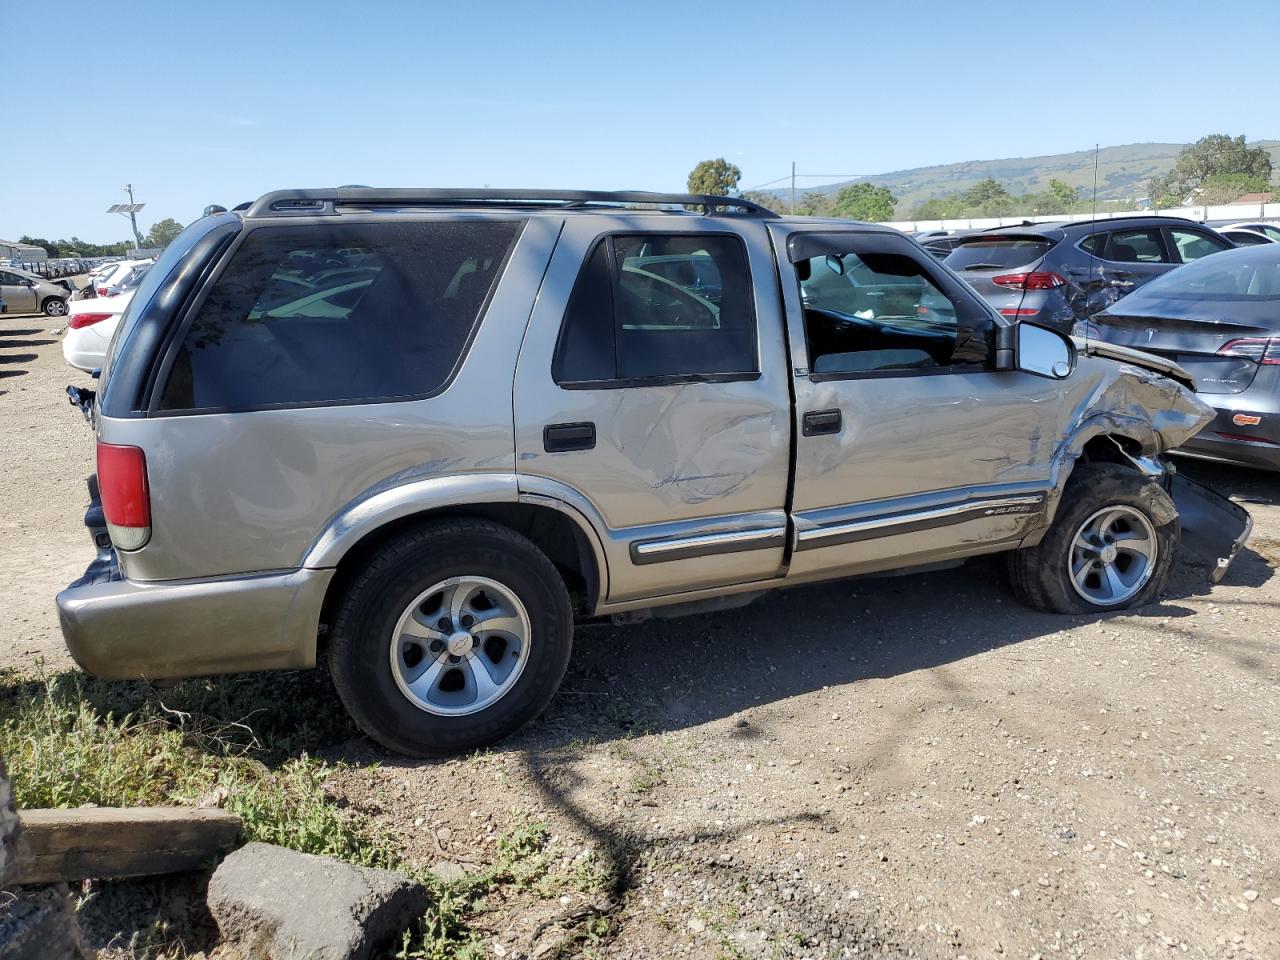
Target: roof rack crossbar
(327, 200)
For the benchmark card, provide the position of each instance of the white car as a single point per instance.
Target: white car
(1270, 230)
(123, 276)
(90, 325)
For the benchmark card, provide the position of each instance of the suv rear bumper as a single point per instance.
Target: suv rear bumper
(124, 629)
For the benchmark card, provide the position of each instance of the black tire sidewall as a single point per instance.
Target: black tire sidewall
(360, 652)
(1093, 487)
(44, 306)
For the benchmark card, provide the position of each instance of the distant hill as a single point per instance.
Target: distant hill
(1122, 173)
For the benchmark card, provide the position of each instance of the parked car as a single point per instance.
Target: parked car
(1060, 274)
(1271, 230)
(91, 324)
(27, 293)
(510, 423)
(122, 276)
(1243, 237)
(1219, 320)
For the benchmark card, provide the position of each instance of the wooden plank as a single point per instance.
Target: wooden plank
(99, 842)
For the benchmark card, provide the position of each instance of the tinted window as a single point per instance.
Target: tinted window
(1136, 246)
(652, 306)
(338, 313)
(1192, 244)
(1245, 238)
(1094, 244)
(881, 312)
(998, 253)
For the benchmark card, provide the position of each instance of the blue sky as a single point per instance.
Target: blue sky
(221, 101)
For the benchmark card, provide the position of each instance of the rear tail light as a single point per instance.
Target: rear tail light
(126, 497)
(79, 321)
(1030, 281)
(1264, 350)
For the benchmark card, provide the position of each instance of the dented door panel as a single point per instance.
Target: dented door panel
(689, 479)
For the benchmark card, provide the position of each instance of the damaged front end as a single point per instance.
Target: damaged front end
(1152, 401)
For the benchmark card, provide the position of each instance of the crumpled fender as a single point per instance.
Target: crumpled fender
(1128, 402)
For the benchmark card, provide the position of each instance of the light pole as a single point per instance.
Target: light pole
(131, 209)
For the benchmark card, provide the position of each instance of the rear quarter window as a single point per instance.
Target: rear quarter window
(997, 253)
(327, 313)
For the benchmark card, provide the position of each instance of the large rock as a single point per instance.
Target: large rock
(273, 902)
(39, 923)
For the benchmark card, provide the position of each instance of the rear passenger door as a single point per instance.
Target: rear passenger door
(651, 396)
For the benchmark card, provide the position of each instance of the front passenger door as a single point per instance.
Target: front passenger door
(911, 448)
(18, 294)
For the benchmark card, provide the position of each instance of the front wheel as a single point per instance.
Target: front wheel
(453, 636)
(1111, 546)
(54, 307)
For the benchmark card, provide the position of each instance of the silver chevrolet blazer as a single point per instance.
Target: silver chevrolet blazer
(419, 433)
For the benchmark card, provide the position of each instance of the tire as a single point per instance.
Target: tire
(1135, 517)
(511, 585)
(54, 307)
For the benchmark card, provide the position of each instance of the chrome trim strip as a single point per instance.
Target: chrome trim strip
(706, 544)
(824, 536)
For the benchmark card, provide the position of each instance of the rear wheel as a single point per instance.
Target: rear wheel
(452, 637)
(54, 307)
(1111, 546)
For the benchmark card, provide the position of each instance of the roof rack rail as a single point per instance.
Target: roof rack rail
(326, 201)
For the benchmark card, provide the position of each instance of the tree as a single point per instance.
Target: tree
(717, 177)
(1210, 156)
(770, 201)
(162, 233)
(984, 192)
(865, 201)
(1059, 198)
(1226, 187)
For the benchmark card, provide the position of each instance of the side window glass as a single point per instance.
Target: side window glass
(306, 315)
(1192, 245)
(656, 305)
(1094, 244)
(880, 312)
(1136, 246)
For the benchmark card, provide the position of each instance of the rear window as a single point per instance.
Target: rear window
(338, 313)
(1245, 274)
(997, 253)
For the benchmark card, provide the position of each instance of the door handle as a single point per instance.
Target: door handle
(563, 437)
(817, 422)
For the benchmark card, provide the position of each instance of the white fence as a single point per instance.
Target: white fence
(1225, 213)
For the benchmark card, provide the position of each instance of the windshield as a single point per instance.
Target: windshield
(1244, 274)
(997, 253)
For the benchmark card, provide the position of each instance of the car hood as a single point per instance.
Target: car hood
(1139, 358)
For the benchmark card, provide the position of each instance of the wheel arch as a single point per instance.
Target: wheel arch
(556, 527)
(1101, 439)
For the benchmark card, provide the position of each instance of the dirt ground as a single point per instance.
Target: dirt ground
(914, 766)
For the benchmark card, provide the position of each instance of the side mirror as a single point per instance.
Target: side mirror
(1044, 352)
(28, 283)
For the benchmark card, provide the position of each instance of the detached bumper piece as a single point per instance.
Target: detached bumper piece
(1213, 528)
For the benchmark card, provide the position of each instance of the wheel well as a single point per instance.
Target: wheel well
(1107, 447)
(554, 533)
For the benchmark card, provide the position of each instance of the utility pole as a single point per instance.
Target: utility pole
(793, 188)
(133, 215)
(131, 209)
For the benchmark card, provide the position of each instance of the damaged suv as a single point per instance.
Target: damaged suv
(420, 432)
